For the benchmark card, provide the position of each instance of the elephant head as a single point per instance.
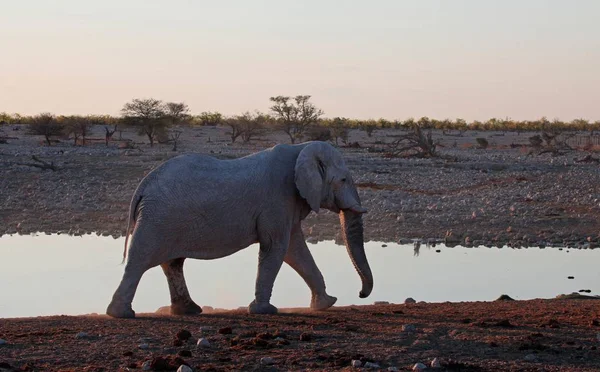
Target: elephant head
(324, 181)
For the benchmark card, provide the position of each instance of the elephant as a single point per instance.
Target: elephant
(197, 206)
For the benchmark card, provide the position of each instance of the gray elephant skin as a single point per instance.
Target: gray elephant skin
(197, 206)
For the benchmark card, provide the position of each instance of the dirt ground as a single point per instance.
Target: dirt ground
(535, 335)
(468, 196)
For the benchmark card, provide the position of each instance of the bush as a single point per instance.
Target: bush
(318, 133)
(482, 142)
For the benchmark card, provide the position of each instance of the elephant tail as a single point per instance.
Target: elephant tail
(131, 221)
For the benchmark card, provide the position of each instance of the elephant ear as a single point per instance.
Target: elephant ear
(310, 173)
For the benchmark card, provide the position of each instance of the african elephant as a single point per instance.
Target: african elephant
(197, 206)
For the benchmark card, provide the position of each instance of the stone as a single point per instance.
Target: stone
(3, 342)
(419, 367)
(530, 358)
(505, 297)
(184, 368)
(81, 335)
(225, 330)
(435, 363)
(381, 303)
(202, 342)
(184, 353)
(206, 329)
(143, 346)
(393, 369)
(356, 363)
(372, 365)
(408, 328)
(266, 361)
(184, 335)
(410, 300)
(147, 366)
(305, 337)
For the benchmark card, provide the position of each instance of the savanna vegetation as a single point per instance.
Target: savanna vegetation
(298, 117)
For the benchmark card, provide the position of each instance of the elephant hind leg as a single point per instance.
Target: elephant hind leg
(181, 302)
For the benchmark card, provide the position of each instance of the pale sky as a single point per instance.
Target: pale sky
(471, 59)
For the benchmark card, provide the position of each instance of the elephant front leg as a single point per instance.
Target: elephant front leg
(270, 259)
(181, 302)
(301, 260)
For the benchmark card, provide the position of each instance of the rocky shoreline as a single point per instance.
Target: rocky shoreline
(472, 197)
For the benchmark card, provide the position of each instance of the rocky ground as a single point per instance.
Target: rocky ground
(469, 196)
(536, 335)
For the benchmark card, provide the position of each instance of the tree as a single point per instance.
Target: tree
(253, 125)
(236, 127)
(178, 113)
(210, 118)
(78, 126)
(296, 116)
(339, 130)
(46, 125)
(148, 115)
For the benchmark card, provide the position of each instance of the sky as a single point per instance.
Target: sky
(470, 59)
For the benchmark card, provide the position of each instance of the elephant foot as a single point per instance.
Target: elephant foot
(322, 302)
(261, 308)
(117, 310)
(188, 307)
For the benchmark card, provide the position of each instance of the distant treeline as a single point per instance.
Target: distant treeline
(215, 118)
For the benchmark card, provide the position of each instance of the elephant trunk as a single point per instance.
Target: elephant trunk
(352, 231)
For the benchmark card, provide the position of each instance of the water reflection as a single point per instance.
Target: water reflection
(59, 274)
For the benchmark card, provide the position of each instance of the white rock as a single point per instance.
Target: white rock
(206, 329)
(143, 346)
(372, 365)
(184, 368)
(408, 328)
(3, 342)
(81, 335)
(266, 361)
(146, 365)
(410, 300)
(419, 367)
(356, 363)
(393, 369)
(202, 342)
(435, 363)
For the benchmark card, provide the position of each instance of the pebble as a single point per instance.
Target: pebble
(408, 328)
(372, 365)
(81, 335)
(419, 367)
(147, 366)
(356, 363)
(184, 368)
(530, 358)
(202, 342)
(410, 300)
(266, 361)
(435, 363)
(3, 342)
(143, 346)
(206, 329)
(225, 330)
(393, 369)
